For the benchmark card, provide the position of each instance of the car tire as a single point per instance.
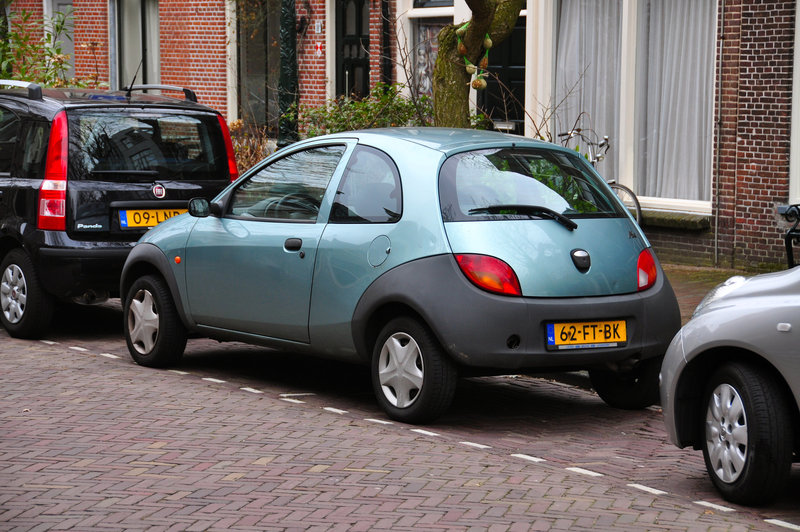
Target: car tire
(629, 390)
(747, 434)
(26, 310)
(154, 332)
(413, 379)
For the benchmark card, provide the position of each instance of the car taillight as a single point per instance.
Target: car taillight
(646, 271)
(226, 133)
(490, 273)
(53, 191)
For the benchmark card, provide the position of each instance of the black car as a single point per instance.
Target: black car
(83, 174)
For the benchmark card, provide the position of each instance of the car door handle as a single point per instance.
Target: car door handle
(293, 244)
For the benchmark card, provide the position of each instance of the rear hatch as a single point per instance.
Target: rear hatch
(131, 168)
(547, 215)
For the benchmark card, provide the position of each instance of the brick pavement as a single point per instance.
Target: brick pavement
(89, 442)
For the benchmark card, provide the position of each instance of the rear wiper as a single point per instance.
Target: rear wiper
(530, 210)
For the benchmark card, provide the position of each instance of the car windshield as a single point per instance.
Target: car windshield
(121, 145)
(522, 183)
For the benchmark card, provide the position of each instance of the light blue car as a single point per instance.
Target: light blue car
(426, 253)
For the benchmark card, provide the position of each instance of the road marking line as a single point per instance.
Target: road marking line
(290, 400)
(424, 432)
(108, 355)
(76, 348)
(714, 506)
(211, 379)
(784, 524)
(476, 445)
(584, 471)
(381, 421)
(48, 342)
(304, 394)
(529, 458)
(647, 489)
(179, 372)
(251, 390)
(334, 410)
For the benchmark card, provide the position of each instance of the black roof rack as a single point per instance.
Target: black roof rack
(190, 95)
(34, 90)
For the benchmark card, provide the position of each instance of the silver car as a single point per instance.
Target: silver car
(730, 385)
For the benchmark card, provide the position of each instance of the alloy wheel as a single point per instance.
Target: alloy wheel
(13, 293)
(726, 433)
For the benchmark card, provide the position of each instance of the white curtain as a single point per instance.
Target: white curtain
(675, 98)
(587, 77)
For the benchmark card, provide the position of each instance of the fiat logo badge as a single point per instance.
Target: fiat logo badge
(159, 191)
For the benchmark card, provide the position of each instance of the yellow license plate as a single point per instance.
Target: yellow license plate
(581, 335)
(129, 219)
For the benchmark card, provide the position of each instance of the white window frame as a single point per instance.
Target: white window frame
(540, 39)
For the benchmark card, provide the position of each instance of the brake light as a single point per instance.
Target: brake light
(490, 273)
(53, 191)
(226, 133)
(646, 271)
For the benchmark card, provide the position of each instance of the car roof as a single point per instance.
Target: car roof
(54, 99)
(446, 140)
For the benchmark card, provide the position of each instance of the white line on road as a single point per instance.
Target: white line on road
(304, 394)
(251, 390)
(48, 342)
(334, 410)
(529, 458)
(424, 432)
(108, 355)
(179, 372)
(210, 379)
(290, 400)
(784, 524)
(584, 471)
(76, 348)
(647, 489)
(381, 421)
(476, 445)
(713, 506)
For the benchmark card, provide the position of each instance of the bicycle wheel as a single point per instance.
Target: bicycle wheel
(629, 199)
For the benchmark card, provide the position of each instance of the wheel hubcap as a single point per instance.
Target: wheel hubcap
(726, 433)
(143, 322)
(400, 370)
(13, 293)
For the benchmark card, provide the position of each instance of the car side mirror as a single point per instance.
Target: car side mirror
(201, 208)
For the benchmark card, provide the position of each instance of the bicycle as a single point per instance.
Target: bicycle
(596, 153)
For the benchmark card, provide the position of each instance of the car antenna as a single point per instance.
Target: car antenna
(130, 87)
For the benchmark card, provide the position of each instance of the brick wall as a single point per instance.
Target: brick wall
(752, 141)
(311, 63)
(90, 36)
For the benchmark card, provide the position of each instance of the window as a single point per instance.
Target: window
(370, 189)
(516, 184)
(123, 146)
(9, 131)
(290, 188)
(643, 74)
(138, 41)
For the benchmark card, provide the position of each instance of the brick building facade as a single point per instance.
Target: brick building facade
(748, 170)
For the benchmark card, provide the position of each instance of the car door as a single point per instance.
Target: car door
(251, 269)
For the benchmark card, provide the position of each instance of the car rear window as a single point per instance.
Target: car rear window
(512, 183)
(123, 145)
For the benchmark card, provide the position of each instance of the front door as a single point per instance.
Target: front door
(352, 48)
(251, 270)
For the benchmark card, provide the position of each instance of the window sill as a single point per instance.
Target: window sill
(676, 220)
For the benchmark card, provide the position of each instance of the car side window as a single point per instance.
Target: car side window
(370, 190)
(290, 188)
(9, 132)
(35, 135)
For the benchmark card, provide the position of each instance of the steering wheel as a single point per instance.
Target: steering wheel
(294, 200)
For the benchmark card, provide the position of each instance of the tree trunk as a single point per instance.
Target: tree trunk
(451, 82)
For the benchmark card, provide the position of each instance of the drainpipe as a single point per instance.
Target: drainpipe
(719, 133)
